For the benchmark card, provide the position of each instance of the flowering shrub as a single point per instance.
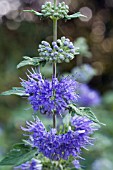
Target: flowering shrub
(63, 144)
(50, 96)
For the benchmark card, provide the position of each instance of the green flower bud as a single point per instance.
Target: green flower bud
(59, 12)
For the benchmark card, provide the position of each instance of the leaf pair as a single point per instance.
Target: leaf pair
(20, 154)
(84, 111)
(68, 17)
(35, 61)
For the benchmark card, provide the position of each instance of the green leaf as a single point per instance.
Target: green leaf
(35, 61)
(16, 91)
(34, 12)
(27, 58)
(85, 111)
(24, 63)
(76, 15)
(19, 155)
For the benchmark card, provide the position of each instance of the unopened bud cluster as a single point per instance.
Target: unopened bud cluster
(62, 50)
(48, 10)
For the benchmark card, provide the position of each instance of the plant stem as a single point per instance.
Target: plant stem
(54, 39)
(54, 64)
(55, 3)
(54, 120)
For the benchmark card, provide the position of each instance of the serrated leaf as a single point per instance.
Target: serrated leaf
(76, 15)
(16, 91)
(34, 12)
(20, 154)
(85, 111)
(35, 61)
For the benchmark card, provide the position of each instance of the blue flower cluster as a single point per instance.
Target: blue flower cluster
(50, 96)
(84, 73)
(34, 164)
(62, 50)
(61, 146)
(87, 96)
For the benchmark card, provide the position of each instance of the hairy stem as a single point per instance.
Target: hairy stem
(54, 120)
(54, 64)
(54, 39)
(55, 3)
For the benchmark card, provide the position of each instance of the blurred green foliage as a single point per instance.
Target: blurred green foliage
(100, 157)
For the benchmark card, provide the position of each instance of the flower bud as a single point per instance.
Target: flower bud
(59, 51)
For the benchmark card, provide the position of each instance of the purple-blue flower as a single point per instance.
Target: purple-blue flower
(34, 164)
(61, 146)
(87, 96)
(84, 73)
(50, 96)
(76, 164)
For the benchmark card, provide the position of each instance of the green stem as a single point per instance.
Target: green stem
(55, 3)
(54, 39)
(55, 29)
(54, 120)
(54, 64)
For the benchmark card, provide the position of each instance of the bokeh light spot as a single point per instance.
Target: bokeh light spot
(87, 12)
(11, 25)
(4, 7)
